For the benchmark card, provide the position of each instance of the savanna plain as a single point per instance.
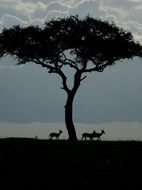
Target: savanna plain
(27, 163)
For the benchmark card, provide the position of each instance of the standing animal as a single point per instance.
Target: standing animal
(55, 135)
(87, 135)
(97, 135)
(92, 135)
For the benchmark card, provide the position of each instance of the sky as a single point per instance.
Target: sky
(31, 101)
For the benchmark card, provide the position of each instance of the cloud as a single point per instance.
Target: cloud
(29, 94)
(10, 20)
(55, 14)
(15, 12)
(134, 1)
(125, 13)
(29, 8)
(83, 8)
(25, 7)
(4, 66)
(113, 9)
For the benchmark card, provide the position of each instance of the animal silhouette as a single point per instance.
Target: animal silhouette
(97, 135)
(87, 135)
(92, 135)
(55, 135)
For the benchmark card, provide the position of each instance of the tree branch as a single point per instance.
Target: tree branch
(39, 62)
(64, 80)
(69, 62)
(83, 78)
(55, 70)
(99, 68)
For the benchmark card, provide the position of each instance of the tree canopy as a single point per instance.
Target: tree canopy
(85, 45)
(89, 40)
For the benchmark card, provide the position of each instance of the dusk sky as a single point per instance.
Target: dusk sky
(31, 100)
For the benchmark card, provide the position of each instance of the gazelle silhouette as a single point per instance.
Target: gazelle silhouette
(92, 135)
(87, 135)
(55, 135)
(97, 135)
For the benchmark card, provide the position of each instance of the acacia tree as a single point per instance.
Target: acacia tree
(84, 45)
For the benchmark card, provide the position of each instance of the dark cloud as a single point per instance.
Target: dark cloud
(30, 94)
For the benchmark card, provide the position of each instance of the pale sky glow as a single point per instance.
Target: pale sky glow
(111, 100)
(29, 8)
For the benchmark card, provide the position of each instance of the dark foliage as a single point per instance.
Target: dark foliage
(100, 42)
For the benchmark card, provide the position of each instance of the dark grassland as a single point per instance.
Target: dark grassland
(42, 164)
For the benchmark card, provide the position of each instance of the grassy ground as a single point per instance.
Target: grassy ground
(43, 164)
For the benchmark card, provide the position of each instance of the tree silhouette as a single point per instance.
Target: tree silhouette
(83, 45)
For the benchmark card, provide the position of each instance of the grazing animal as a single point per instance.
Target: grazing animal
(97, 135)
(55, 135)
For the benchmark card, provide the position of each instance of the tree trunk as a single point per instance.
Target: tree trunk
(69, 118)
